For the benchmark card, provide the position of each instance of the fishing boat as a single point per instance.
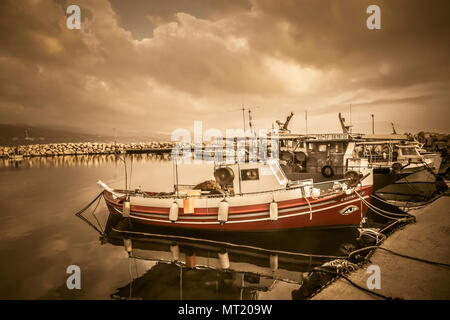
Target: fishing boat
(248, 197)
(399, 169)
(15, 157)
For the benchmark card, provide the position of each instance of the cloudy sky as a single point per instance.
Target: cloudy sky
(152, 66)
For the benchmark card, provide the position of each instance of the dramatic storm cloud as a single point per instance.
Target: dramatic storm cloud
(153, 66)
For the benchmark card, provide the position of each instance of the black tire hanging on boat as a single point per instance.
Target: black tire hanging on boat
(396, 167)
(353, 177)
(300, 156)
(286, 156)
(224, 175)
(327, 171)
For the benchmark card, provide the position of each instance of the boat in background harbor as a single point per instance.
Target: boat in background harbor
(399, 169)
(15, 157)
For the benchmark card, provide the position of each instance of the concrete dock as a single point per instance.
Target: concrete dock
(428, 238)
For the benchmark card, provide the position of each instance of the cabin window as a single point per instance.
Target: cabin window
(409, 151)
(310, 146)
(249, 174)
(322, 148)
(336, 147)
(276, 170)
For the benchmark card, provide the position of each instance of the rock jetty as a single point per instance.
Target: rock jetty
(87, 148)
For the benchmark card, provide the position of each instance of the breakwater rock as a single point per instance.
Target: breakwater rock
(61, 149)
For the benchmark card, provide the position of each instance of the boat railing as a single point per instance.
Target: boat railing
(292, 185)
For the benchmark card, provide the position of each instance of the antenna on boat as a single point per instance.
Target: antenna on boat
(243, 117)
(306, 120)
(124, 160)
(350, 118)
(243, 109)
(373, 124)
(252, 129)
(175, 175)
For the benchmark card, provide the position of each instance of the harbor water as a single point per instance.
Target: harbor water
(40, 237)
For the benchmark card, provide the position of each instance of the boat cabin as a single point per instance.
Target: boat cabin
(323, 154)
(248, 177)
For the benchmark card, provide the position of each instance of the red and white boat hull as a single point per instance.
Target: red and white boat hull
(337, 210)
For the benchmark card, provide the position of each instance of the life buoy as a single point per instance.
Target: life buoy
(396, 167)
(353, 178)
(286, 156)
(327, 171)
(224, 175)
(300, 156)
(394, 155)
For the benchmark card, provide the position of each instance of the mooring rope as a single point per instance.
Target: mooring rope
(381, 211)
(93, 213)
(378, 236)
(412, 218)
(398, 254)
(422, 204)
(428, 168)
(380, 199)
(340, 274)
(79, 214)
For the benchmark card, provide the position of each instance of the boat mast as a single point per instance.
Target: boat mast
(306, 120)
(176, 177)
(243, 117)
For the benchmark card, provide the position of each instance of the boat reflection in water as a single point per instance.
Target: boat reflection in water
(218, 266)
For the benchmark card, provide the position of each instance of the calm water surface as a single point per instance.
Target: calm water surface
(41, 236)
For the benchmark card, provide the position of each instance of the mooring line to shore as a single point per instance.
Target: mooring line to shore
(79, 214)
(400, 255)
(341, 275)
(382, 212)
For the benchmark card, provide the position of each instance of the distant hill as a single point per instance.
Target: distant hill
(11, 135)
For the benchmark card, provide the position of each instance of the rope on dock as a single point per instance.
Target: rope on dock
(340, 274)
(398, 254)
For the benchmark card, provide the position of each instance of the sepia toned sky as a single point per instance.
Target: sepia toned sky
(151, 66)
